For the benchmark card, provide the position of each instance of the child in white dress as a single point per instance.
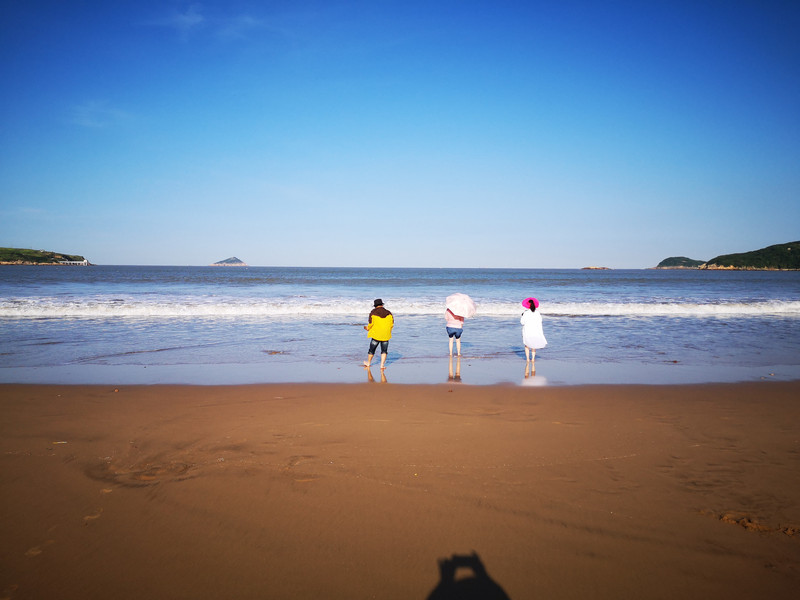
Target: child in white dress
(532, 333)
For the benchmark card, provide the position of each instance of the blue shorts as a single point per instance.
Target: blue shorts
(374, 344)
(454, 332)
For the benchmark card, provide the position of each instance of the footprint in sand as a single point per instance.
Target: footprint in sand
(751, 523)
(89, 518)
(37, 550)
(141, 474)
(293, 462)
(9, 592)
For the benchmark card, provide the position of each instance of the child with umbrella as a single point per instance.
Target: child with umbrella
(458, 307)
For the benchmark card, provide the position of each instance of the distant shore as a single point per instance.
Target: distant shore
(42, 264)
(26, 256)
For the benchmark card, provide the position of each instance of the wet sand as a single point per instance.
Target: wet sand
(358, 491)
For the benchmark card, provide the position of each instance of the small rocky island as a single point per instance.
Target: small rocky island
(779, 257)
(24, 256)
(229, 262)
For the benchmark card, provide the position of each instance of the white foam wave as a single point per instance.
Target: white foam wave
(176, 307)
(687, 309)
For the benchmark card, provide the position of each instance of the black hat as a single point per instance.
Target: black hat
(377, 303)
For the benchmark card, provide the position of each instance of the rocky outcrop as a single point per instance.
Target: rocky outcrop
(230, 262)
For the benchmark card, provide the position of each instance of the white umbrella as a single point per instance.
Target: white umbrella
(460, 305)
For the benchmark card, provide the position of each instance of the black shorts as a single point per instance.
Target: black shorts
(374, 344)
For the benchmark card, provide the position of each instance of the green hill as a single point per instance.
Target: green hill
(679, 262)
(777, 257)
(23, 256)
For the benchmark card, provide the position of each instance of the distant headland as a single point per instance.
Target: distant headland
(780, 257)
(23, 256)
(229, 262)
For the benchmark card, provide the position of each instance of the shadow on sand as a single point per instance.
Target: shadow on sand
(476, 586)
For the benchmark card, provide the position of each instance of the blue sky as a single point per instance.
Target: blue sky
(381, 133)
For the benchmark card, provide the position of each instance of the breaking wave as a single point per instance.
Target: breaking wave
(189, 307)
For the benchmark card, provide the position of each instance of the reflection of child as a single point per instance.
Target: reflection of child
(455, 327)
(532, 333)
(451, 376)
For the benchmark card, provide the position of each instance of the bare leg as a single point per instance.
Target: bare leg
(383, 361)
(527, 354)
(451, 346)
(368, 362)
(458, 347)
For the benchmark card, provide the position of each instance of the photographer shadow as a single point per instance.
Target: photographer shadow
(478, 586)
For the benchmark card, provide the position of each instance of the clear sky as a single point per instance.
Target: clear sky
(382, 133)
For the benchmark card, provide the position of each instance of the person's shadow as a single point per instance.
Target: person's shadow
(478, 586)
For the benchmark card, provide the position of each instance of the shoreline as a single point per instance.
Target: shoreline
(720, 268)
(470, 371)
(356, 491)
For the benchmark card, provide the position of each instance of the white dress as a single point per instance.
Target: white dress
(532, 334)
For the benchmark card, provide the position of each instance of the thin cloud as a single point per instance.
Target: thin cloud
(193, 21)
(238, 28)
(97, 115)
(185, 23)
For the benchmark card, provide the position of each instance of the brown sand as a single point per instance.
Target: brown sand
(356, 491)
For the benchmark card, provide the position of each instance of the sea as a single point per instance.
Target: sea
(124, 325)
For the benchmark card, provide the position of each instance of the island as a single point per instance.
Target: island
(778, 257)
(229, 262)
(680, 262)
(24, 256)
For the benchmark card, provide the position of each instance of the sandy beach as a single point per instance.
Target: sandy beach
(362, 491)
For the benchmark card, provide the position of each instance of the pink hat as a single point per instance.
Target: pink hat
(527, 302)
